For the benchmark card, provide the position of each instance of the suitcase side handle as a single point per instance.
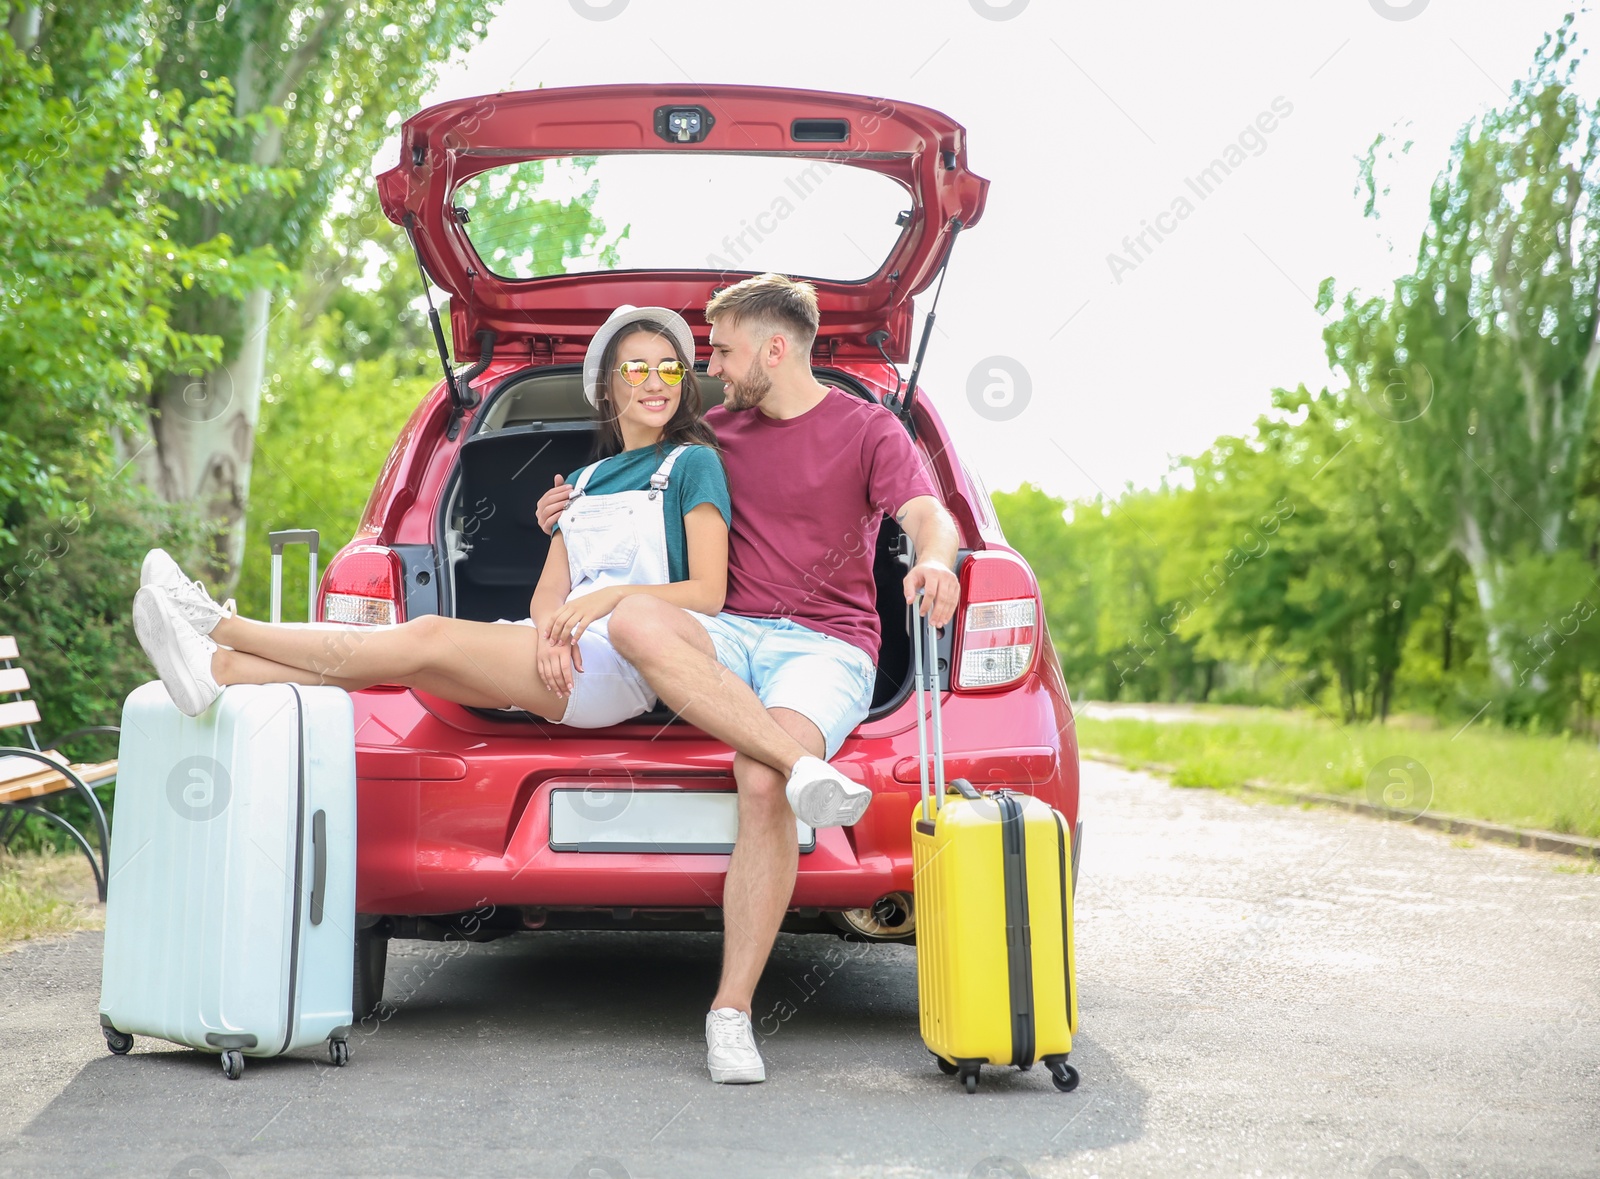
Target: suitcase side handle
(288, 536)
(319, 864)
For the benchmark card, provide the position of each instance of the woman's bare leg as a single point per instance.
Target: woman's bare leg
(240, 667)
(479, 664)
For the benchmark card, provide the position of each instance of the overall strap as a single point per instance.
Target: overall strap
(658, 481)
(583, 477)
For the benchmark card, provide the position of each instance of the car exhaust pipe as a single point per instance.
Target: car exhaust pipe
(890, 918)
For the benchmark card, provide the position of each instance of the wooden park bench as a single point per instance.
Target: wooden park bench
(34, 772)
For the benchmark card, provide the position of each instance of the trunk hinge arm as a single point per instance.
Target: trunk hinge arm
(462, 396)
(901, 406)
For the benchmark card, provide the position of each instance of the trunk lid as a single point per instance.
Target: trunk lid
(696, 187)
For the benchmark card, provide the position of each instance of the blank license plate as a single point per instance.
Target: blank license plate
(675, 822)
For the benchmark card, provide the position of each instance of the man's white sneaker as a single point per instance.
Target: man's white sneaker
(182, 656)
(731, 1053)
(194, 605)
(823, 797)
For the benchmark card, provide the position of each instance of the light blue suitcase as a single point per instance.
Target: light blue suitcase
(230, 912)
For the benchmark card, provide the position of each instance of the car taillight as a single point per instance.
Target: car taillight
(998, 632)
(364, 586)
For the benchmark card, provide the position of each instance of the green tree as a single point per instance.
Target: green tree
(90, 269)
(522, 230)
(1036, 525)
(349, 371)
(1146, 651)
(90, 275)
(1293, 554)
(70, 619)
(1552, 611)
(1101, 567)
(1485, 357)
(1327, 559)
(351, 356)
(314, 87)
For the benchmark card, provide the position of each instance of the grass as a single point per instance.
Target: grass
(1538, 782)
(43, 894)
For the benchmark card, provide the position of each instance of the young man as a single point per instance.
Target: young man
(811, 471)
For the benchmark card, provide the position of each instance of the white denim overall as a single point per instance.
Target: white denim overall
(618, 538)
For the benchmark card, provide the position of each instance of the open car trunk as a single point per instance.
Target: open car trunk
(741, 180)
(537, 425)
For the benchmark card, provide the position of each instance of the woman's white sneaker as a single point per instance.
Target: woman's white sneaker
(159, 569)
(182, 656)
(194, 605)
(823, 797)
(731, 1052)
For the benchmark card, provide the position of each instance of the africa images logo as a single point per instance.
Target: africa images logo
(199, 788)
(998, 388)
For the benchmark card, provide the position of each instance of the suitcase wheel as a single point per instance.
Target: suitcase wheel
(969, 1076)
(945, 1066)
(339, 1052)
(118, 1042)
(1063, 1075)
(233, 1064)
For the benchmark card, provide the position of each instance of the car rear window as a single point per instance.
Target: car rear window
(808, 216)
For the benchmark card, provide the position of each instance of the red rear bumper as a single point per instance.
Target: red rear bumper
(452, 816)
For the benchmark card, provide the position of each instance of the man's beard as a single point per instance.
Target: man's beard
(750, 392)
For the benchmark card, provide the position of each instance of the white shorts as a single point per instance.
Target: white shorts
(608, 690)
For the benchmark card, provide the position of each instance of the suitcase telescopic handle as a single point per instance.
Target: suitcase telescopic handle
(288, 536)
(925, 655)
(925, 678)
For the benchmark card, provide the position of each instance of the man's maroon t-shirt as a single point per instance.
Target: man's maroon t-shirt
(808, 496)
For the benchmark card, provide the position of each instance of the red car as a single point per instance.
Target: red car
(479, 823)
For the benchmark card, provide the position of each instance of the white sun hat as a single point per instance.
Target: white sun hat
(619, 321)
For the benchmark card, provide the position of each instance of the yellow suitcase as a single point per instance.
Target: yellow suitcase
(993, 890)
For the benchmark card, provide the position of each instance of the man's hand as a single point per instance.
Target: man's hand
(934, 539)
(941, 590)
(552, 503)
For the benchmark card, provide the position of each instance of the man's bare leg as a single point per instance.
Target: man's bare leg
(762, 869)
(676, 657)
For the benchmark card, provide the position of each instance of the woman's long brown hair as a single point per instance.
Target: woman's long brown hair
(687, 425)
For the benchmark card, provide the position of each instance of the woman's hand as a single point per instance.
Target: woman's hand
(572, 619)
(551, 504)
(555, 666)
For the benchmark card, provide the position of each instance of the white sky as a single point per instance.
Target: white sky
(1087, 119)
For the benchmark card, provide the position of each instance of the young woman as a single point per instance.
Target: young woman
(650, 517)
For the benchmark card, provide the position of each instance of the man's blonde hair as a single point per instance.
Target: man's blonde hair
(769, 304)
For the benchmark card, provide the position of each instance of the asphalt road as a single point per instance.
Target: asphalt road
(1265, 991)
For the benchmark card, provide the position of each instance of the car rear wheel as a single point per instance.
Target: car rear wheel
(372, 957)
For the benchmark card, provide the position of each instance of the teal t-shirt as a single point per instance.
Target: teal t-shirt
(697, 478)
